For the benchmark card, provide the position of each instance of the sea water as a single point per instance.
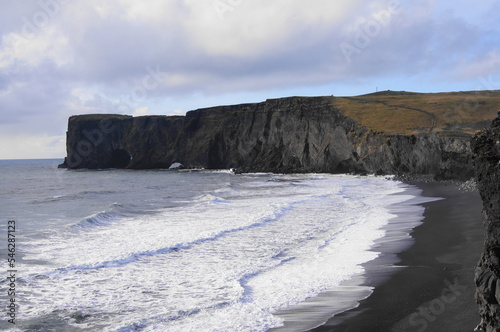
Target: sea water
(198, 250)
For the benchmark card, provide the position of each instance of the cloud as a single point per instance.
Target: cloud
(18, 53)
(279, 44)
(34, 146)
(254, 28)
(483, 65)
(141, 111)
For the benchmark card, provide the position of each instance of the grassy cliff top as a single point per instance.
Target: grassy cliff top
(400, 112)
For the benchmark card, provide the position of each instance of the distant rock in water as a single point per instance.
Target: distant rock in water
(295, 134)
(486, 146)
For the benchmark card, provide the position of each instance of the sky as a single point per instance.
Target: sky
(66, 57)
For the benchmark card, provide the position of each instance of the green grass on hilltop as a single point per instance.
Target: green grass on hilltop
(400, 112)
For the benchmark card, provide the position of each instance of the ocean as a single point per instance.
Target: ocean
(182, 250)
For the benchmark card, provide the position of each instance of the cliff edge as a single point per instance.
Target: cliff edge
(486, 148)
(295, 134)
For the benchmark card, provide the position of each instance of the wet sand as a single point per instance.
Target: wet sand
(431, 288)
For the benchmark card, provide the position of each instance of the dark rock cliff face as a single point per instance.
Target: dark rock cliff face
(486, 148)
(296, 134)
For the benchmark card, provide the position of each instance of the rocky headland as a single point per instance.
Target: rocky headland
(295, 134)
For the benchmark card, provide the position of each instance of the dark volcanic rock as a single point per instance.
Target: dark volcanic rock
(296, 134)
(486, 147)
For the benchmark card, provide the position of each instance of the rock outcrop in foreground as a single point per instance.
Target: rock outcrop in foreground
(296, 134)
(486, 147)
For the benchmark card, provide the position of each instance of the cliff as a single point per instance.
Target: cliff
(486, 148)
(296, 134)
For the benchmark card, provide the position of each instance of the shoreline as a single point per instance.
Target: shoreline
(317, 310)
(429, 285)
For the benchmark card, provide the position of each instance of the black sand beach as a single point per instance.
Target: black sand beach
(433, 287)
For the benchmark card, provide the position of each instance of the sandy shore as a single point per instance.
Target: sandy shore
(431, 288)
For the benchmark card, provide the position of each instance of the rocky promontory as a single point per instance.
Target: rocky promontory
(295, 134)
(486, 147)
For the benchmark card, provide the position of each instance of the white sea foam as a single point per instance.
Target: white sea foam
(223, 261)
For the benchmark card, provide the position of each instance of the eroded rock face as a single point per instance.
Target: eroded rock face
(296, 134)
(486, 148)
